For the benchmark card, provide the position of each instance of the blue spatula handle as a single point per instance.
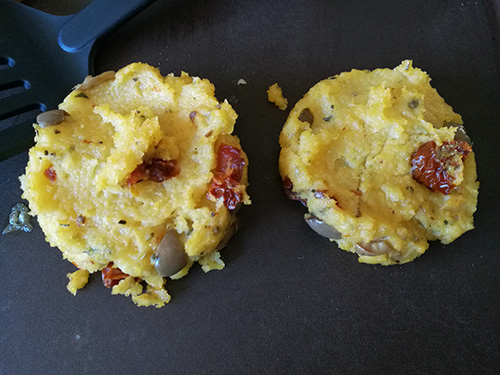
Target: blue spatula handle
(96, 20)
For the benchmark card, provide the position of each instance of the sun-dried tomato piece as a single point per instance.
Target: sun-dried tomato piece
(230, 162)
(50, 173)
(157, 170)
(288, 187)
(228, 189)
(434, 166)
(137, 175)
(227, 177)
(111, 276)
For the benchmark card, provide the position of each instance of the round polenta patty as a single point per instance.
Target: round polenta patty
(138, 176)
(382, 163)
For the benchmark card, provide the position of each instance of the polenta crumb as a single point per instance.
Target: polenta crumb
(77, 280)
(275, 95)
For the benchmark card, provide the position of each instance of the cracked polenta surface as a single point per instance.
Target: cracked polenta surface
(365, 151)
(127, 158)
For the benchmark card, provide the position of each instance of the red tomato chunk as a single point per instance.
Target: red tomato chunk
(111, 276)
(227, 177)
(50, 173)
(431, 165)
(157, 170)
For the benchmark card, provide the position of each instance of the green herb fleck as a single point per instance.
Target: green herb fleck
(414, 103)
(89, 251)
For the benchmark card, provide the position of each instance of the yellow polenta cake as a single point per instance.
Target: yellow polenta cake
(382, 163)
(138, 176)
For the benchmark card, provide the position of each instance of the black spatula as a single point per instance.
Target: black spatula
(43, 56)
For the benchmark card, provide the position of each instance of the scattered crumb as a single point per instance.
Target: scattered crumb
(77, 280)
(241, 81)
(275, 95)
(18, 219)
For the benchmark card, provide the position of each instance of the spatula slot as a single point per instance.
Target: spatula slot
(13, 88)
(6, 63)
(11, 76)
(16, 104)
(36, 71)
(26, 113)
